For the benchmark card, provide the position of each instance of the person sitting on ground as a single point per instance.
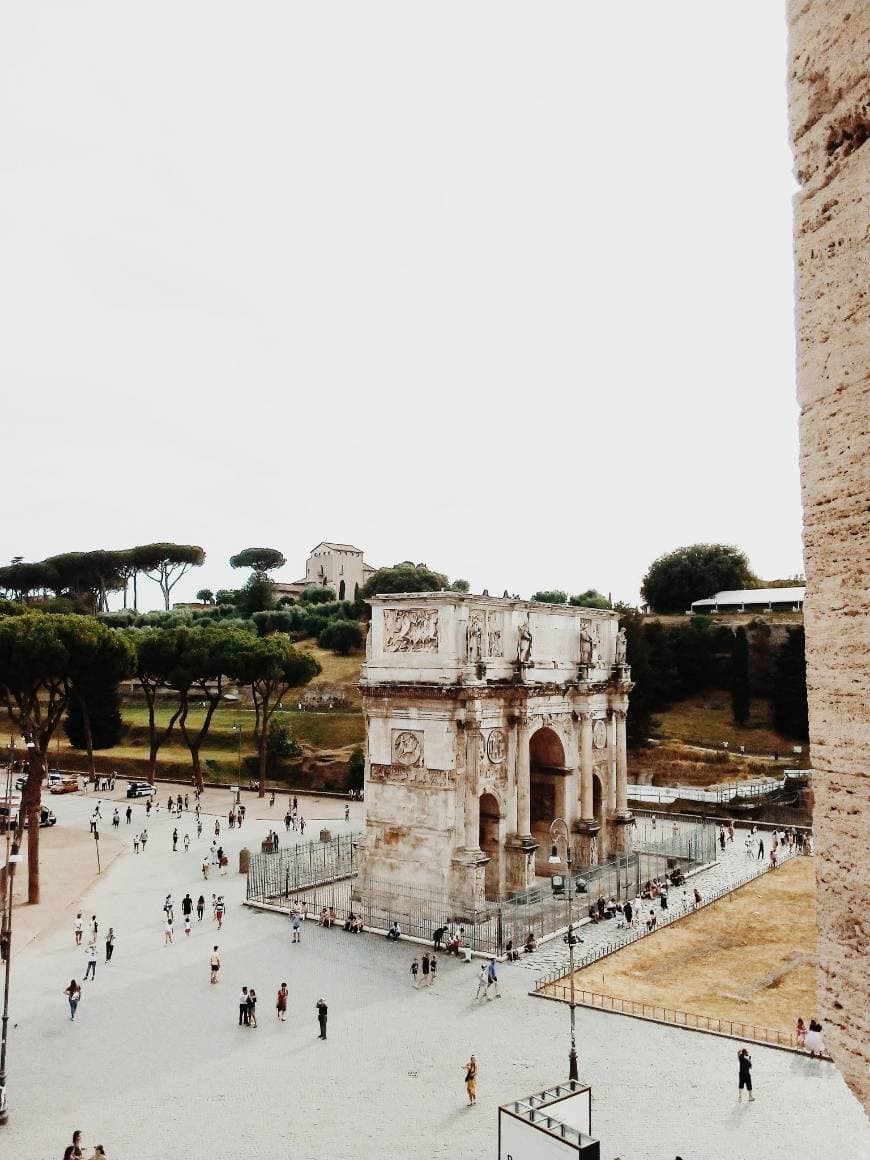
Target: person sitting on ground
(531, 942)
(509, 951)
(394, 932)
(323, 920)
(647, 890)
(452, 945)
(813, 1041)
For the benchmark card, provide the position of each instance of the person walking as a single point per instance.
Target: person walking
(347, 813)
(110, 944)
(302, 831)
(760, 850)
(143, 838)
(204, 867)
(169, 909)
(77, 928)
(187, 905)
(135, 843)
(217, 828)
(186, 842)
(187, 926)
(175, 841)
(415, 971)
(215, 964)
(167, 933)
(95, 927)
(200, 908)
(243, 1007)
(322, 1011)
(148, 808)
(129, 814)
(426, 970)
(481, 982)
(471, 1080)
(198, 828)
(116, 819)
(744, 1063)
(91, 967)
(433, 970)
(281, 1003)
(73, 993)
(219, 911)
(492, 979)
(297, 928)
(252, 1007)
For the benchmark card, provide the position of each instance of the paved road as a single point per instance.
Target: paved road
(156, 1065)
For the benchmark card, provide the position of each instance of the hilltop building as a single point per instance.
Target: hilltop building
(337, 566)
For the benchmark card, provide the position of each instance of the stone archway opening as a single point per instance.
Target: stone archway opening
(547, 776)
(491, 844)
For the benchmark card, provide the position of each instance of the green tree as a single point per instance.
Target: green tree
(790, 712)
(342, 636)
(460, 586)
(281, 741)
(165, 564)
(226, 596)
(404, 577)
(551, 596)
(101, 659)
(156, 652)
(591, 598)
(740, 677)
(102, 712)
(678, 578)
(207, 658)
(271, 667)
(258, 559)
(356, 770)
(205, 595)
(639, 722)
(315, 594)
(257, 594)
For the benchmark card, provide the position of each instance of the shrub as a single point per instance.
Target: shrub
(281, 741)
(342, 636)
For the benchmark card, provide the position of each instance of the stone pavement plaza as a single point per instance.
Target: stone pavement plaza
(155, 1063)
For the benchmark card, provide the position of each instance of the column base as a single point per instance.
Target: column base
(520, 862)
(619, 825)
(585, 841)
(468, 875)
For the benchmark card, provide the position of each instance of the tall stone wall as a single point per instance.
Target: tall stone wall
(829, 106)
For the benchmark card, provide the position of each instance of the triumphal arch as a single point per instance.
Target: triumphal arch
(486, 718)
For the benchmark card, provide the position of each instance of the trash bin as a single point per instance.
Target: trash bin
(244, 860)
(326, 835)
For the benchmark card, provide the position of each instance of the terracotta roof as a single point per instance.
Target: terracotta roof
(338, 547)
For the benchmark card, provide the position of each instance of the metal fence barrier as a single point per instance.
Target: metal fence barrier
(318, 875)
(732, 1028)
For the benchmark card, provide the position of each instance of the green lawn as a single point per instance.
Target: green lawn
(706, 720)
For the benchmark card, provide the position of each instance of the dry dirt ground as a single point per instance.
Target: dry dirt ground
(749, 957)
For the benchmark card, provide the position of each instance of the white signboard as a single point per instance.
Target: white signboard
(520, 1140)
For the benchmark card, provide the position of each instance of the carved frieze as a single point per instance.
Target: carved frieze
(414, 776)
(412, 630)
(407, 747)
(599, 734)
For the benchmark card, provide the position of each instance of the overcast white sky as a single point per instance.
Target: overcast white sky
(502, 287)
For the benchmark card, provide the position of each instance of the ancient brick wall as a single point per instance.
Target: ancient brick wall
(829, 105)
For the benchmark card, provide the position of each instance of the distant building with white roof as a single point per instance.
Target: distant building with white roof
(753, 600)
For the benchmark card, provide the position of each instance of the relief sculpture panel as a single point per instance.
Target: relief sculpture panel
(414, 776)
(407, 747)
(410, 630)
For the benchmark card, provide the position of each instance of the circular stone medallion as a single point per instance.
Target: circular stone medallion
(496, 746)
(407, 748)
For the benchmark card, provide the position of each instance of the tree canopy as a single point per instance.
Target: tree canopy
(404, 577)
(693, 573)
(551, 596)
(166, 563)
(591, 598)
(258, 559)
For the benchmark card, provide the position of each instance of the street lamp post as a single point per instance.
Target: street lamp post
(570, 938)
(12, 857)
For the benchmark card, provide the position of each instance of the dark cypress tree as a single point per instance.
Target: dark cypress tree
(790, 715)
(104, 711)
(639, 724)
(740, 677)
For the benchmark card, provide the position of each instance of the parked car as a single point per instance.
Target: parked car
(57, 778)
(67, 786)
(140, 789)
